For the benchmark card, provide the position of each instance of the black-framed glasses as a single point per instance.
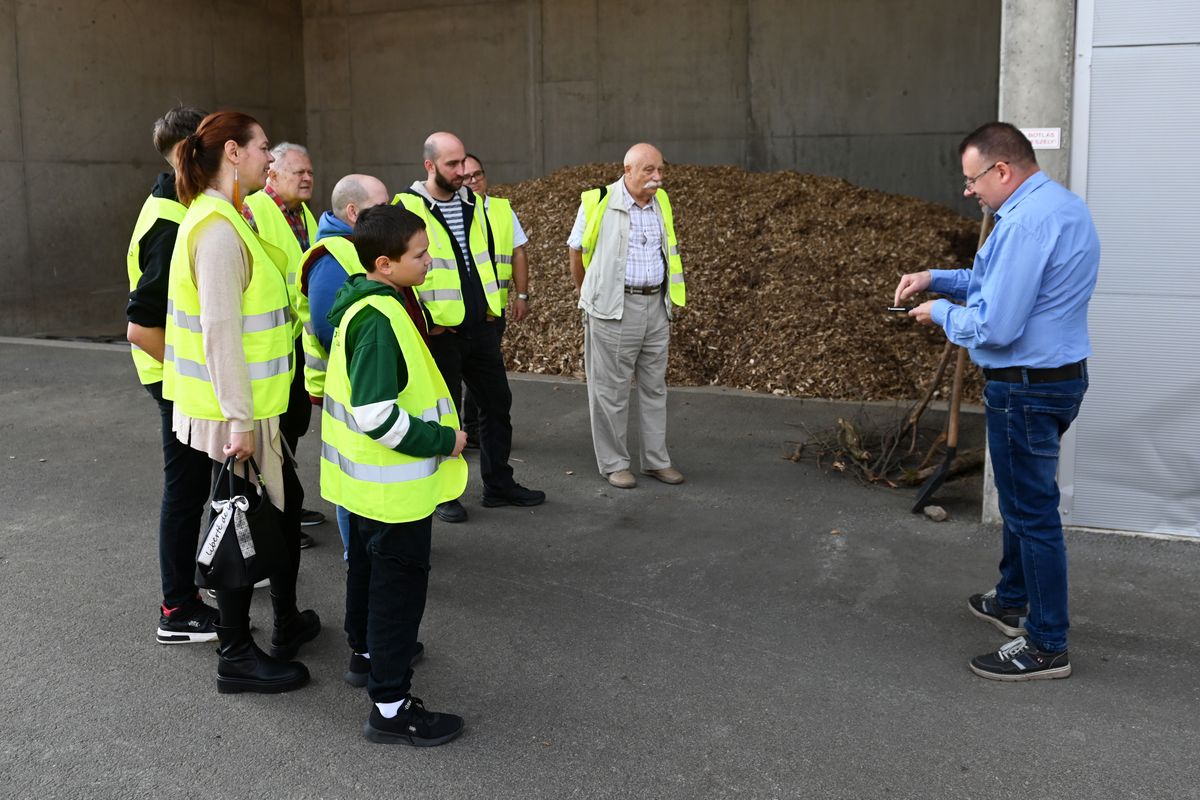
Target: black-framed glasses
(970, 182)
(471, 177)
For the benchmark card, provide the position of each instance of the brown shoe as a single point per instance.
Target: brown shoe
(622, 479)
(666, 475)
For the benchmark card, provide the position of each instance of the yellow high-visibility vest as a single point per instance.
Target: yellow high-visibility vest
(267, 327)
(149, 369)
(273, 226)
(441, 293)
(316, 360)
(500, 218)
(364, 476)
(595, 201)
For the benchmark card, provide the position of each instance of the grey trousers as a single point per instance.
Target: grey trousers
(615, 352)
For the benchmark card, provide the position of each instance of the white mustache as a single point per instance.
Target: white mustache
(652, 185)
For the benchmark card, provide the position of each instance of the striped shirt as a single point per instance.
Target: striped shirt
(452, 212)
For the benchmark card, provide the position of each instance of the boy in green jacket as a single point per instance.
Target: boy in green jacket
(390, 452)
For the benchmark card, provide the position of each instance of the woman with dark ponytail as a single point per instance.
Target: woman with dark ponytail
(227, 366)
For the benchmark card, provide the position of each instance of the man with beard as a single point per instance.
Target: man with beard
(627, 272)
(461, 296)
(280, 215)
(1025, 324)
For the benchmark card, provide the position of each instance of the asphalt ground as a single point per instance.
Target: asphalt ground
(766, 630)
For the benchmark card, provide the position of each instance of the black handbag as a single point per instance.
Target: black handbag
(243, 542)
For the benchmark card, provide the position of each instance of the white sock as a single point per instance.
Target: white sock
(388, 710)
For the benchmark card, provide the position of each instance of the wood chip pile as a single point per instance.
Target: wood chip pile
(788, 279)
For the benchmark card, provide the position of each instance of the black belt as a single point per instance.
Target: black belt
(643, 289)
(1036, 374)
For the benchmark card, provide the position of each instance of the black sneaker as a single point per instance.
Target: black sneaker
(1021, 660)
(309, 517)
(1010, 621)
(451, 511)
(306, 541)
(189, 623)
(412, 725)
(359, 670)
(515, 495)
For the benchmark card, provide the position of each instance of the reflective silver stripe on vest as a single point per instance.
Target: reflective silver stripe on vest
(133, 346)
(504, 283)
(256, 323)
(444, 407)
(489, 288)
(674, 250)
(308, 328)
(434, 295)
(372, 473)
(186, 321)
(676, 277)
(259, 370)
(312, 362)
(443, 263)
(335, 409)
(482, 258)
(291, 279)
(503, 259)
(168, 353)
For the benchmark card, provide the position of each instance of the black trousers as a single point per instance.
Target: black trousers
(295, 421)
(469, 409)
(186, 482)
(472, 356)
(386, 583)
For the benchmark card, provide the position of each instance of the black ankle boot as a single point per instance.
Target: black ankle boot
(245, 668)
(292, 627)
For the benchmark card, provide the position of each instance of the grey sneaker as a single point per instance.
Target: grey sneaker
(1009, 621)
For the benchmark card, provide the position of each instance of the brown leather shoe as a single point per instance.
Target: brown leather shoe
(622, 479)
(666, 475)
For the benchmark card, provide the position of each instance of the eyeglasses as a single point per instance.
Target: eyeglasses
(969, 183)
(471, 177)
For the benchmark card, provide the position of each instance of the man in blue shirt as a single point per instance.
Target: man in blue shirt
(1025, 324)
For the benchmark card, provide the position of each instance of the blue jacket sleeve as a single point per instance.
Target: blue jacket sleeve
(324, 279)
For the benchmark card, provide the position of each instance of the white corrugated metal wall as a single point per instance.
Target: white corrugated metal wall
(1134, 463)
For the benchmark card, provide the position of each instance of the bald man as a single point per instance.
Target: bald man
(628, 275)
(462, 298)
(323, 270)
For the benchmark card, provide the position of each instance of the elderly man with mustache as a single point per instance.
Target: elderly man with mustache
(628, 274)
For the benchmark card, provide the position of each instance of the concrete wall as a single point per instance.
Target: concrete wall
(81, 84)
(876, 91)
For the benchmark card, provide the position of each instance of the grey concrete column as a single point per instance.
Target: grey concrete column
(1037, 55)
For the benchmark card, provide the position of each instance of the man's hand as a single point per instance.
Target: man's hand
(924, 312)
(520, 309)
(240, 445)
(910, 284)
(460, 441)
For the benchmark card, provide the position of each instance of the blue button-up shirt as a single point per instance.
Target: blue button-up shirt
(1027, 297)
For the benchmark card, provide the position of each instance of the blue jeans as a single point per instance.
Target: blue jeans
(1025, 424)
(343, 521)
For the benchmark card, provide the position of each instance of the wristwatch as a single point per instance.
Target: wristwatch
(522, 295)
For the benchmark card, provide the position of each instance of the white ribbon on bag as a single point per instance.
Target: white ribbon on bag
(236, 508)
